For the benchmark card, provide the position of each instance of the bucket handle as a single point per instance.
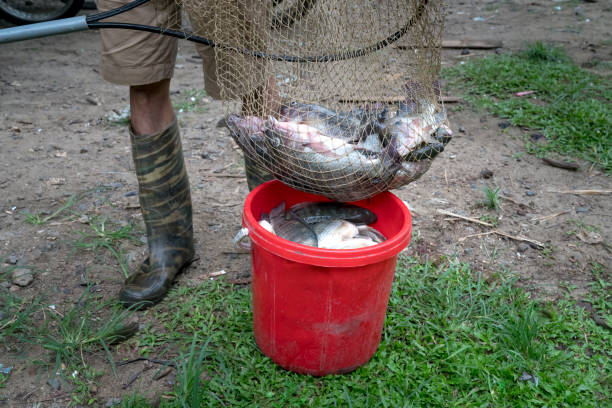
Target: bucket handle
(240, 240)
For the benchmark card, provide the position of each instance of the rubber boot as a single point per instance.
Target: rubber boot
(165, 202)
(255, 175)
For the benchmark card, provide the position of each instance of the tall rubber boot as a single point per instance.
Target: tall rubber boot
(255, 175)
(165, 202)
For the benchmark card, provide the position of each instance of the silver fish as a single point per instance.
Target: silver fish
(315, 212)
(353, 243)
(287, 226)
(365, 231)
(312, 157)
(330, 234)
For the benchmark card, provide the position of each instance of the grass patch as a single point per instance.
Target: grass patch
(80, 329)
(101, 236)
(15, 312)
(193, 100)
(571, 107)
(491, 197)
(40, 219)
(450, 339)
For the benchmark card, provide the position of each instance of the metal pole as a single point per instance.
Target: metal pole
(27, 32)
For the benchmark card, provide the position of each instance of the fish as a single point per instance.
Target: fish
(409, 172)
(291, 228)
(365, 231)
(409, 131)
(353, 243)
(340, 170)
(329, 234)
(312, 212)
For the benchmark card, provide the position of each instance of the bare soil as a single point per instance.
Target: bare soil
(56, 143)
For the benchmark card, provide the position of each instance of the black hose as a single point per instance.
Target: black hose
(93, 22)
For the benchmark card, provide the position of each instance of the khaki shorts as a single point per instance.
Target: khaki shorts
(132, 57)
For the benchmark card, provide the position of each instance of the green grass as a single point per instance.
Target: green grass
(571, 106)
(192, 100)
(39, 219)
(491, 197)
(15, 312)
(106, 235)
(451, 339)
(80, 329)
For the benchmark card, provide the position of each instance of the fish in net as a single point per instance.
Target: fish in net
(337, 98)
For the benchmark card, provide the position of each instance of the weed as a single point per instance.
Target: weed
(118, 117)
(570, 106)
(491, 219)
(15, 312)
(75, 332)
(491, 197)
(600, 295)
(193, 101)
(109, 238)
(189, 369)
(38, 219)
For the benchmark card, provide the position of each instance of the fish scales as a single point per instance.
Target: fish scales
(315, 212)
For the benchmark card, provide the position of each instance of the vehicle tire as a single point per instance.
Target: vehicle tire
(35, 11)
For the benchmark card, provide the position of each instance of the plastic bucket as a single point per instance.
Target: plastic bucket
(321, 311)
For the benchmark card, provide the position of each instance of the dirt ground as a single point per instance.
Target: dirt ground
(56, 143)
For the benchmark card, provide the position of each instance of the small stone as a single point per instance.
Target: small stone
(130, 194)
(522, 247)
(84, 219)
(112, 402)
(461, 129)
(205, 155)
(498, 51)
(22, 277)
(530, 193)
(465, 51)
(583, 210)
(12, 259)
(20, 198)
(83, 150)
(5, 284)
(486, 173)
(536, 136)
(468, 251)
(503, 125)
(54, 383)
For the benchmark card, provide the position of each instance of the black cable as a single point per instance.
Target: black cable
(94, 23)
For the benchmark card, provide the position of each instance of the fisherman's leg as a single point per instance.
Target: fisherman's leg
(145, 62)
(164, 195)
(237, 72)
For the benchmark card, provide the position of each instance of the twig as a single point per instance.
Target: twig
(474, 235)
(561, 164)
(519, 238)
(513, 201)
(504, 234)
(227, 175)
(548, 217)
(131, 380)
(486, 224)
(162, 362)
(581, 192)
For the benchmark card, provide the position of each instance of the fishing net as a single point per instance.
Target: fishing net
(338, 98)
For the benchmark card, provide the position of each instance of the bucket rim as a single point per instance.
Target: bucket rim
(322, 256)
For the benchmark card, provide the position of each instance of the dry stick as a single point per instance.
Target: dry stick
(474, 44)
(548, 217)
(581, 192)
(512, 200)
(504, 234)
(223, 175)
(394, 99)
(486, 224)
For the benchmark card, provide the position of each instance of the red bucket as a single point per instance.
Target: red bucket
(321, 311)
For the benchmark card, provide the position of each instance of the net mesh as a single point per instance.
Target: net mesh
(338, 98)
